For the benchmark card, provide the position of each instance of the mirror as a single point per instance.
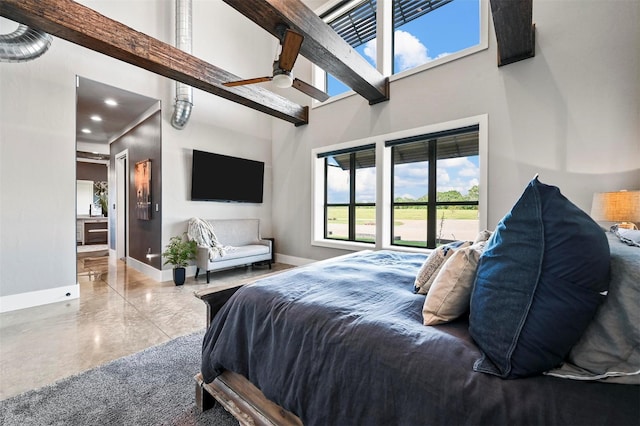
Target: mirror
(91, 197)
(84, 197)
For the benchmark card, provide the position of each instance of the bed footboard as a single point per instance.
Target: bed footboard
(243, 400)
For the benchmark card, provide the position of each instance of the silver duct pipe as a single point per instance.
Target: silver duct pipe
(184, 93)
(24, 44)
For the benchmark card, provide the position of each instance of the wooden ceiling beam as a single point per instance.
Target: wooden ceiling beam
(84, 26)
(321, 45)
(515, 31)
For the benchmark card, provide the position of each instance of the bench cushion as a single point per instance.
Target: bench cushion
(243, 251)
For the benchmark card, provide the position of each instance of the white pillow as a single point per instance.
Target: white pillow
(449, 295)
(433, 263)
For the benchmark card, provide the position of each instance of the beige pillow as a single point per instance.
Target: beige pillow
(433, 263)
(449, 295)
(483, 236)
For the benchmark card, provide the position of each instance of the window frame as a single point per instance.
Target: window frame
(383, 201)
(352, 204)
(432, 202)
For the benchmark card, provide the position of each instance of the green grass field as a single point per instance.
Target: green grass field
(367, 214)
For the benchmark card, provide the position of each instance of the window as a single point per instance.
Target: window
(358, 27)
(435, 190)
(423, 31)
(350, 191)
(408, 190)
(432, 29)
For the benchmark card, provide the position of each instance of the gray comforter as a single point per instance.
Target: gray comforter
(342, 343)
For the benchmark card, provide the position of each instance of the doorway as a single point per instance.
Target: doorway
(104, 115)
(122, 195)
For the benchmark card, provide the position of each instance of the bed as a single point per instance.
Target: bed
(343, 341)
(333, 348)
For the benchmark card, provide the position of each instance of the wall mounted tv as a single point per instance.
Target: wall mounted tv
(216, 177)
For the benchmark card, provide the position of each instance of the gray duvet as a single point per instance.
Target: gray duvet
(342, 343)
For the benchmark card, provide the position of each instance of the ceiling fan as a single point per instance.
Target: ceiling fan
(282, 77)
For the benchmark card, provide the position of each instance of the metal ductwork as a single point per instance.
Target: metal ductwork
(24, 44)
(184, 92)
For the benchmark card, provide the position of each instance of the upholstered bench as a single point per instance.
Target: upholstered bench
(247, 246)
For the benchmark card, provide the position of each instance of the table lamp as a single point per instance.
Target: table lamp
(621, 208)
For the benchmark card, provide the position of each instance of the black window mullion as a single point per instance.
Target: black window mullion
(393, 195)
(326, 198)
(432, 198)
(352, 196)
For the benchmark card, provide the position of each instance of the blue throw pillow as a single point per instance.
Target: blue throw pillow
(538, 285)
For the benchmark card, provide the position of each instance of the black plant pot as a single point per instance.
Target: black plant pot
(179, 275)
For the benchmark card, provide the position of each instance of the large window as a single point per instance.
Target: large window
(407, 190)
(423, 31)
(435, 188)
(350, 192)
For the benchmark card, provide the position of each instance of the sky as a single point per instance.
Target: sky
(448, 29)
(410, 180)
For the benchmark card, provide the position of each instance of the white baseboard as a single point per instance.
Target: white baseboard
(292, 260)
(41, 297)
(150, 271)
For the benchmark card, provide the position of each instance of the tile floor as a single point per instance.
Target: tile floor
(120, 311)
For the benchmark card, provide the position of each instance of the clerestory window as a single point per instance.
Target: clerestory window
(424, 31)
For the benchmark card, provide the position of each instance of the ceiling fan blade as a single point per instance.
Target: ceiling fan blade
(290, 48)
(310, 90)
(248, 81)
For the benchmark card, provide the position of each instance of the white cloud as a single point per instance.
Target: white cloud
(366, 185)
(370, 49)
(442, 176)
(409, 51)
(455, 162)
(469, 172)
(338, 182)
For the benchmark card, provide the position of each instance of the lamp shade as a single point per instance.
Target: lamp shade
(621, 206)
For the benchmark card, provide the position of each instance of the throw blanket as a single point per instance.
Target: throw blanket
(202, 233)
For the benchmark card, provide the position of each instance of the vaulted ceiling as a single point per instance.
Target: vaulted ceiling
(84, 26)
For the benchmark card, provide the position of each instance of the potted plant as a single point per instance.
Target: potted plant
(179, 252)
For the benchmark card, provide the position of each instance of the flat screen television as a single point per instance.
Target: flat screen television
(216, 177)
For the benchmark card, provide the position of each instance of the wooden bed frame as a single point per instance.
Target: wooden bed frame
(231, 390)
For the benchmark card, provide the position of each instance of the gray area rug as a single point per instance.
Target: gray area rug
(152, 387)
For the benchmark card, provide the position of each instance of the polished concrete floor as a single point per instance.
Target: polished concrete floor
(120, 311)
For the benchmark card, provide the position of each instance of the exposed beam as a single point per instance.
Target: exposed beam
(515, 31)
(321, 45)
(81, 25)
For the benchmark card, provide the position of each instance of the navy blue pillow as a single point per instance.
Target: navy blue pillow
(538, 284)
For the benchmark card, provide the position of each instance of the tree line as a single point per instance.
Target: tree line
(446, 196)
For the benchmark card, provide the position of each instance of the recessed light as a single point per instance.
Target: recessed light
(86, 131)
(96, 118)
(110, 102)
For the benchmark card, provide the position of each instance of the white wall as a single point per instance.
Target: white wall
(37, 139)
(571, 114)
